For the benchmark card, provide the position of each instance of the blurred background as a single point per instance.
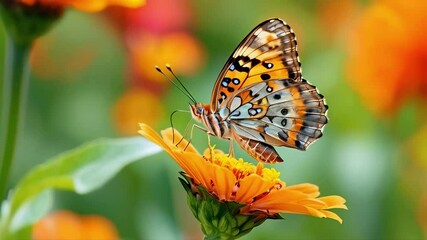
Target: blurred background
(93, 76)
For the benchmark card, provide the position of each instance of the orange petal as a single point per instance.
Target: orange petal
(334, 201)
(331, 215)
(152, 135)
(250, 187)
(293, 201)
(313, 203)
(196, 167)
(280, 196)
(224, 182)
(172, 137)
(307, 188)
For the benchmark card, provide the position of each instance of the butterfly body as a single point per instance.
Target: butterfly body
(260, 99)
(214, 123)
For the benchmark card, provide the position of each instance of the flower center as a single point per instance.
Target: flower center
(239, 167)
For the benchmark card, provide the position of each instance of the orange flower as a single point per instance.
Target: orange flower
(68, 225)
(259, 190)
(51, 61)
(181, 50)
(87, 5)
(334, 15)
(388, 54)
(134, 106)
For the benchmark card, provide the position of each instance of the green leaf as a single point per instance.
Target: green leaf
(81, 170)
(32, 210)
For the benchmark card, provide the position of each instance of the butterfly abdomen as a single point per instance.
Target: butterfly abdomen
(261, 151)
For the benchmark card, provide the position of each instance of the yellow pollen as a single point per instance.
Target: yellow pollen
(239, 167)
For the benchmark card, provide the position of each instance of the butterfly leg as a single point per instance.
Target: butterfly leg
(185, 133)
(171, 123)
(231, 149)
(207, 134)
(191, 134)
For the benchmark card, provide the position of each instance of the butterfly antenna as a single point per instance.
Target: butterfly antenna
(171, 122)
(168, 67)
(185, 91)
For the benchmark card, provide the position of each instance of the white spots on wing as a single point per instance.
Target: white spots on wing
(252, 112)
(225, 82)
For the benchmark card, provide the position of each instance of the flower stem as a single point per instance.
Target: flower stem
(14, 90)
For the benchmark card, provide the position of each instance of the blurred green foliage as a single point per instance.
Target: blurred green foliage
(360, 157)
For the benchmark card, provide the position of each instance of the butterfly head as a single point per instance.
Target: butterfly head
(198, 110)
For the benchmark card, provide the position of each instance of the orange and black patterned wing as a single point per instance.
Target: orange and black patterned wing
(268, 52)
(276, 112)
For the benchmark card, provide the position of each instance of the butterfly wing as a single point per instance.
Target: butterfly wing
(268, 52)
(277, 112)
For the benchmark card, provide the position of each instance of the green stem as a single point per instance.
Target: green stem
(14, 87)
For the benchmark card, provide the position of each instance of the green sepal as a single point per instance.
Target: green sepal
(26, 23)
(218, 219)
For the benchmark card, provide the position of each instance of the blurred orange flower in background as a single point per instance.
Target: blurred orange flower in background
(136, 104)
(68, 225)
(388, 55)
(181, 50)
(157, 34)
(85, 5)
(51, 61)
(335, 16)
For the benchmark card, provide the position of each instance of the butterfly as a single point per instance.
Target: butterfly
(260, 99)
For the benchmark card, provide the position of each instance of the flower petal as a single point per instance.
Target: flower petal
(152, 135)
(224, 182)
(196, 167)
(331, 215)
(172, 137)
(334, 202)
(307, 188)
(299, 199)
(252, 186)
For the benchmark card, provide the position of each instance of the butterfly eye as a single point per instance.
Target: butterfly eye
(199, 109)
